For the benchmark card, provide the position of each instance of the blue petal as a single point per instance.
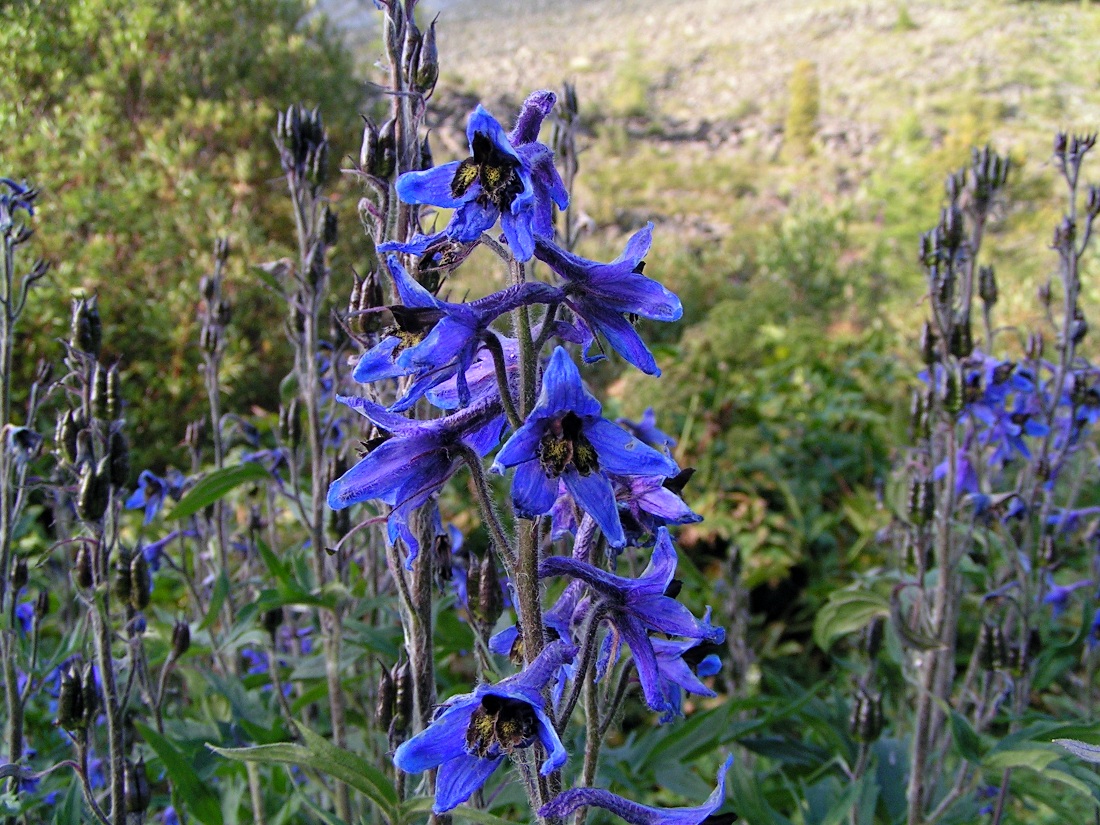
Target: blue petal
(533, 492)
(606, 584)
(622, 454)
(444, 343)
(378, 363)
(381, 472)
(432, 186)
(376, 413)
(555, 750)
(634, 634)
(503, 642)
(594, 496)
(471, 219)
(529, 121)
(484, 440)
(621, 335)
(669, 616)
(459, 778)
(517, 230)
(481, 121)
(566, 803)
(441, 741)
(563, 390)
(411, 293)
(521, 447)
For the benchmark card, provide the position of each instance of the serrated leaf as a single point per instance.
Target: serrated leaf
(189, 789)
(215, 485)
(1082, 750)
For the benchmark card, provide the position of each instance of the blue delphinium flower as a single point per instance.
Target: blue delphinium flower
(473, 733)
(405, 470)
(152, 490)
(676, 674)
(635, 813)
(18, 196)
(480, 377)
(507, 176)
(637, 606)
(607, 297)
(24, 613)
(1058, 597)
(566, 437)
(647, 431)
(154, 553)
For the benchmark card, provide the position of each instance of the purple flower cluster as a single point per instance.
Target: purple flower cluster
(598, 480)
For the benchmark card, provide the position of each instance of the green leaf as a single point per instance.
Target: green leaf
(189, 789)
(217, 598)
(423, 804)
(215, 485)
(1036, 758)
(846, 612)
(1082, 750)
(321, 755)
(966, 738)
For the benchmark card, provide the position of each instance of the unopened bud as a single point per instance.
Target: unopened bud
(387, 695)
(94, 491)
(987, 285)
(86, 333)
(140, 583)
(99, 392)
(135, 787)
(181, 639)
(70, 700)
(20, 575)
(122, 579)
(221, 250)
(82, 566)
(118, 454)
(272, 619)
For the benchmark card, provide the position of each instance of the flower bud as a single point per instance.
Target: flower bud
(82, 566)
(70, 700)
(122, 580)
(86, 334)
(140, 583)
(489, 598)
(928, 343)
(987, 285)
(99, 392)
(118, 455)
(427, 69)
(991, 647)
(387, 694)
(403, 700)
(135, 786)
(181, 639)
(94, 491)
(20, 575)
(272, 619)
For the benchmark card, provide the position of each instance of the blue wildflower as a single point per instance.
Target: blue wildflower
(152, 491)
(405, 470)
(507, 176)
(637, 606)
(472, 733)
(566, 437)
(19, 196)
(1058, 597)
(635, 813)
(647, 431)
(24, 613)
(154, 552)
(607, 297)
(676, 674)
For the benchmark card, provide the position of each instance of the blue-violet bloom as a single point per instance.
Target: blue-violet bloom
(563, 805)
(607, 297)
(507, 176)
(473, 733)
(565, 437)
(405, 470)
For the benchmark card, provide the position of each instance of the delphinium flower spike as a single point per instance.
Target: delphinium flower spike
(636, 814)
(473, 733)
(566, 437)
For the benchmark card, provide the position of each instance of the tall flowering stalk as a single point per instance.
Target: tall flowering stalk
(586, 494)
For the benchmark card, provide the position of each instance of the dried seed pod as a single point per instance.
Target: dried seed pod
(140, 583)
(99, 392)
(68, 426)
(42, 604)
(86, 333)
(387, 695)
(290, 424)
(181, 639)
(427, 70)
(114, 394)
(928, 343)
(20, 575)
(987, 285)
(489, 598)
(873, 636)
(991, 647)
(89, 694)
(94, 491)
(865, 723)
(122, 581)
(403, 699)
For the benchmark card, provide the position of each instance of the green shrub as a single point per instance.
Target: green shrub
(803, 108)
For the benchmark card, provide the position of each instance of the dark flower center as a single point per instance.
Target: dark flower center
(412, 326)
(563, 444)
(499, 726)
(500, 182)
